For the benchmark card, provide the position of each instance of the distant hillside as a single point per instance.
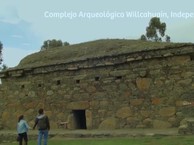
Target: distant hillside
(98, 48)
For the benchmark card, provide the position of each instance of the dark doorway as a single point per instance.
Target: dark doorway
(80, 119)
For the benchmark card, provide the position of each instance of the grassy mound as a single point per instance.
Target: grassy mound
(93, 49)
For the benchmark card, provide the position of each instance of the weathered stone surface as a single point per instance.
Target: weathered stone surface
(30, 105)
(94, 104)
(186, 126)
(49, 113)
(6, 116)
(148, 122)
(156, 101)
(109, 123)
(91, 89)
(119, 73)
(132, 122)
(140, 88)
(71, 122)
(28, 112)
(130, 59)
(124, 112)
(61, 117)
(88, 119)
(50, 92)
(161, 124)
(173, 120)
(136, 102)
(104, 103)
(1, 125)
(123, 87)
(145, 113)
(78, 105)
(102, 113)
(32, 94)
(167, 111)
(180, 59)
(143, 84)
(184, 129)
(185, 82)
(79, 77)
(179, 103)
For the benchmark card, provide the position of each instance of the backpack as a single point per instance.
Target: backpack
(42, 123)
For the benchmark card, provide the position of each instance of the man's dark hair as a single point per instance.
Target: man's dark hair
(41, 111)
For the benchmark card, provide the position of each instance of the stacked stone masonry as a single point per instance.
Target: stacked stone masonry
(136, 90)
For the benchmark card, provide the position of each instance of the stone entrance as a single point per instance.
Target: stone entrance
(79, 119)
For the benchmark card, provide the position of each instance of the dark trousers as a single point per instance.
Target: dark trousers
(23, 136)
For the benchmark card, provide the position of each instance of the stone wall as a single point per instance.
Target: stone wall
(139, 90)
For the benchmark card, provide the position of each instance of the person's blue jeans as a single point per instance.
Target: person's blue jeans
(42, 133)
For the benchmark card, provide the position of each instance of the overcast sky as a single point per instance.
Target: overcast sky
(24, 25)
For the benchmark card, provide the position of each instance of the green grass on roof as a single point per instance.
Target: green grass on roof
(98, 48)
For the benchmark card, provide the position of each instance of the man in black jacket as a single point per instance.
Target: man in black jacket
(42, 122)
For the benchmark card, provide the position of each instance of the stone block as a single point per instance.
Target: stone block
(148, 122)
(50, 92)
(167, 111)
(6, 116)
(143, 84)
(124, 112)
(183, 129)
(186, 126)
(136, 102)
(185, 82)
(91, 89)
(78, 105)
(179, 103)
(89, 119)
(31, 104)
(109, 123)
(94, 104)
(104, 103)
(145, 113)
(161, 124)
(119, 73)
(156, 101)
(179, 59)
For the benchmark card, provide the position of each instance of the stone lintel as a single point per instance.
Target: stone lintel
(81, 105)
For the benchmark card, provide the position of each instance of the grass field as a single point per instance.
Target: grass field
(168, 140)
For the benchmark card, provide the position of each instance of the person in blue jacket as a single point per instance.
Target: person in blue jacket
(22, 129)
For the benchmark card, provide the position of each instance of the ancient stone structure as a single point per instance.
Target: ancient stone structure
(105, 84)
